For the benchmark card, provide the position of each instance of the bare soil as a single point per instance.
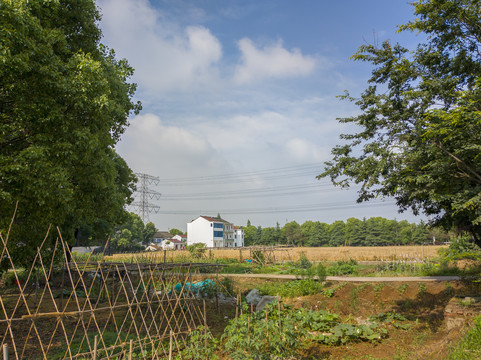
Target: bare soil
(423, 303)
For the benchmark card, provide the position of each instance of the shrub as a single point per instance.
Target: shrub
(343, 267)
(292, 288)
(303, 262)
(197, 250)
(258, 335)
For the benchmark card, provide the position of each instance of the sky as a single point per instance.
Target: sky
(240, 103)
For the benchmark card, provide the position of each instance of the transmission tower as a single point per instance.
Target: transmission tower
(144, 194)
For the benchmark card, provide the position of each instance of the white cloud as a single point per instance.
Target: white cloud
(152, 147)
(165, 57)
(272, 61)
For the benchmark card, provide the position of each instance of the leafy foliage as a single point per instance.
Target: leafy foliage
(65, 100)
(195, 349)
(257, 336)
(197, 251)
(420, 126)
(469, 348)
(343, 267)
(344, 333)
(292, 289)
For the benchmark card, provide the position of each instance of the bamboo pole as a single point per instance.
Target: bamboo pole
(5, 351)
(170, 346)
(96, 341)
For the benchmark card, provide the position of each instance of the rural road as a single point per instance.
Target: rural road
(351, 278)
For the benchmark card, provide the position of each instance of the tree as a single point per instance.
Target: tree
(420, 126)
(293, 234)
(148, 233)
(64, 103)
(174, 232)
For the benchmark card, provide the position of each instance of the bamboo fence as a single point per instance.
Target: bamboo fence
(96, 310)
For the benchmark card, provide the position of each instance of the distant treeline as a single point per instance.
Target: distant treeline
(376, 231)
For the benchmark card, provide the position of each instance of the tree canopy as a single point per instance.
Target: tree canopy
(420, 122)
(64, 103)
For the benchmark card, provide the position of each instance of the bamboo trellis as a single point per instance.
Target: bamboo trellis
(96, 310)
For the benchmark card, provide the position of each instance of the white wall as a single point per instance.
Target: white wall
(200, 231)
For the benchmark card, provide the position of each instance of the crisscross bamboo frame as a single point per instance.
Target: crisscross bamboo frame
(105, 310)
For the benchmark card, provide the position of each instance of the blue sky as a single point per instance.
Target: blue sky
(239, 102)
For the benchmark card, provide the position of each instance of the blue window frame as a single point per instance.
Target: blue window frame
(218, 226)
(218, 234)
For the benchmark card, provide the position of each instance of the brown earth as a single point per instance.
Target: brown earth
(422, 303)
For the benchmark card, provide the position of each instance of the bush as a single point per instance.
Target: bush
(197, 250)
(257, 336)
(292, 288)
(343, 267)
(303, 262)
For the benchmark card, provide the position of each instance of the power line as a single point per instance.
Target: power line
(274, 210)
(245, 193)
(278, 173)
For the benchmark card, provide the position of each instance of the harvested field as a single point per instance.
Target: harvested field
(358, 253)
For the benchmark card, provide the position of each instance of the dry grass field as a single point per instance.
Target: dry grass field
(371, 253)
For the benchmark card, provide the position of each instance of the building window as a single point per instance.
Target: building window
(217, 226)
(218, 234)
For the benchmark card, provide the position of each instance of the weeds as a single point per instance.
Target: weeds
(469, 348)
(402, 289)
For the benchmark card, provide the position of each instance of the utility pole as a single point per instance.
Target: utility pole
(144, 194)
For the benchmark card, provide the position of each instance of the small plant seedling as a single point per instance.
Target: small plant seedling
(402, 289)
(421, 290)
(377, 289)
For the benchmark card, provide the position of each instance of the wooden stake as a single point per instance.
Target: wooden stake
(170, 346)
(279, 311)
(205, 326)
(131, 347)
(5, 351)
(96, 340)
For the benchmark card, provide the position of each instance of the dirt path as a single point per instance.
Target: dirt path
(350, 278)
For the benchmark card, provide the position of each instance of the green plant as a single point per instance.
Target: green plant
(303, 262)
(343, 267)
(292, 288)
(394, 319)
(259, 336)
(402, 289)
(330, 292)
(344, 333)
(421, 289)
(197, 250)
(195, 346)
(469, 348)
(377, 289)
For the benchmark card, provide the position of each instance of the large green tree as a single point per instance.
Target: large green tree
(64, 103)
(420, 123)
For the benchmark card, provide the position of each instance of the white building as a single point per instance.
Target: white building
(172, 244)
(214, 232)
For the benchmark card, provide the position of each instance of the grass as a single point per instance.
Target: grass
(469, 347)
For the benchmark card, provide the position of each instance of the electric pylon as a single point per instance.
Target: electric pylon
(144, 194)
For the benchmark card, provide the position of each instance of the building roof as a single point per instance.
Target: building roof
(162, 235)
(213, 219)
(175, 241)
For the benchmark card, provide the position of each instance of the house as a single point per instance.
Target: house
(153, 247)
(214, 232)
(181, 237)
(160, 236)
(172, 244)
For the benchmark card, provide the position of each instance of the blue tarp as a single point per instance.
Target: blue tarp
(194, 287)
